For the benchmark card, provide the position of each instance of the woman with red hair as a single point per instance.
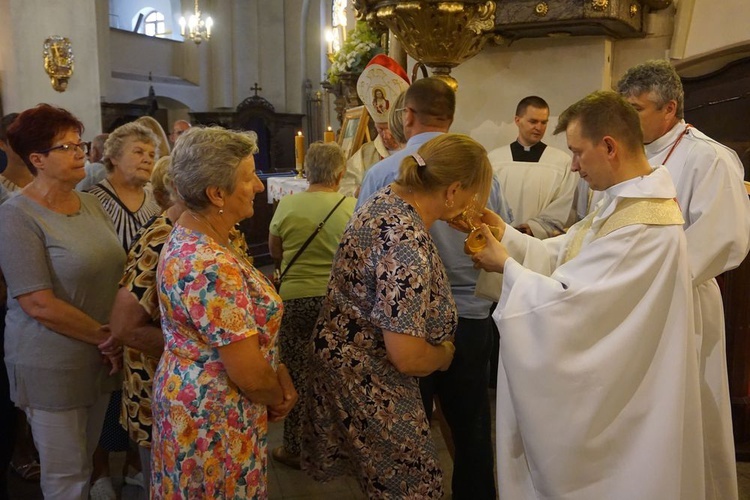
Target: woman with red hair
(62, 262)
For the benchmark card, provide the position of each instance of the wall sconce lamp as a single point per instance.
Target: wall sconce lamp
(58, 61)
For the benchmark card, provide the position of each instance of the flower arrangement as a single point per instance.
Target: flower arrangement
(361, 45)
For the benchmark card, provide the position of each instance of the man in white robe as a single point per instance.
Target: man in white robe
(709, 181)
(536, 178)
(598, 392)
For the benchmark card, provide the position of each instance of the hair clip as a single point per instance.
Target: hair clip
(418, 158)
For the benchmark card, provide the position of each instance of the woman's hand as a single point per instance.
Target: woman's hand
(450, 349)
(493, 256)
(111, 350)
(278, 412)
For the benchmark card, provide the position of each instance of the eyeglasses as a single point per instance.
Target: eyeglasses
(399, 110)
(85, 147)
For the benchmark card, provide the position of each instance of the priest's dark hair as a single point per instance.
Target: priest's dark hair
(432, 101)
(534, 101)
(444, 160)
(659, 80)
(36, 129)
(604, 113)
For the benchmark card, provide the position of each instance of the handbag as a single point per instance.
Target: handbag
(278, 275)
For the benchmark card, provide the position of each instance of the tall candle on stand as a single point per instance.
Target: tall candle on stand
(329, 136)
(299, 154)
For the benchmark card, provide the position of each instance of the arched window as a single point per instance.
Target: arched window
(153, 24)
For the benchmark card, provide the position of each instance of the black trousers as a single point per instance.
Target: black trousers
(8, 421)
(463, 394)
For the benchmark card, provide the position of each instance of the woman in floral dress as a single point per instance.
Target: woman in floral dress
(217, 383)
(387, 319)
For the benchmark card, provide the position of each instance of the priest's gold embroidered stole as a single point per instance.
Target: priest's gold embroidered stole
(629, 211)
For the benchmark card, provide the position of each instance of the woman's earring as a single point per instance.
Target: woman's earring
(449, 205)
(221, 211)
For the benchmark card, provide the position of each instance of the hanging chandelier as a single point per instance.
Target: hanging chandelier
(196, 28)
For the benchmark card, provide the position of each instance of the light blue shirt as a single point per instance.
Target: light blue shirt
(95, 173)
(449, 242)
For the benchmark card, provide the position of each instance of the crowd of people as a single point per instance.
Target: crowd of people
(135, 321)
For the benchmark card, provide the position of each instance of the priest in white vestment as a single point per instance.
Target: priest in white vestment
(598, 392)
(360, 162)
(536, 178)
(709, 181)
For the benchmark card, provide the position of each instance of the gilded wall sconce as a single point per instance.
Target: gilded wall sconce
(58, 61)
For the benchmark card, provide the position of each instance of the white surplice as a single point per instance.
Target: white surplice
(540, 194)
(710, 190)
(360, 162)
(598, 392)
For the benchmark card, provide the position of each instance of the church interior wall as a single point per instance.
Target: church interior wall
(708, 26)
(27, 23)
(280, 43)
(560, 71)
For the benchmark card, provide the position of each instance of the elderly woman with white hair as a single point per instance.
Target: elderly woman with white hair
(218, 382)
(306, 267)
(126, 194)
(127, 197)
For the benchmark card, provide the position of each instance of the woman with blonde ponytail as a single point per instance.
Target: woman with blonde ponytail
(388, 318)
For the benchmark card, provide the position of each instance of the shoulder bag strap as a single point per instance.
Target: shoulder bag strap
(312, 237)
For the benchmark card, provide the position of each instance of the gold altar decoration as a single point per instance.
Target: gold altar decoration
(58, 61)
(437, 33)
(541, 9)
(600, 5)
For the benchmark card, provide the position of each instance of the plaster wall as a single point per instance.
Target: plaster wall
(490, 85)
(708, 26)
(560, 70)
(24, 81)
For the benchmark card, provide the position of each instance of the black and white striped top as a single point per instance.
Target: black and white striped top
(126, 223)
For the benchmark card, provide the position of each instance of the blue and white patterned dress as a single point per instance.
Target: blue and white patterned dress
(363, 416)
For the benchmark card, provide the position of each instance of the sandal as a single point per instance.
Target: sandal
(282, 456)
(28, 472)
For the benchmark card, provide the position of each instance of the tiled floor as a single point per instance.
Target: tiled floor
(289, 484)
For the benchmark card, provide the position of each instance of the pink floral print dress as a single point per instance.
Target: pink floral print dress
(209, 440)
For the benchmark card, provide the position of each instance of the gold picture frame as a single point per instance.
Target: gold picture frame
(354, 130)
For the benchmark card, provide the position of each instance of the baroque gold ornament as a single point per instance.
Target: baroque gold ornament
(58, 61)
(599, 5)
(541, 9)
(439, 34)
